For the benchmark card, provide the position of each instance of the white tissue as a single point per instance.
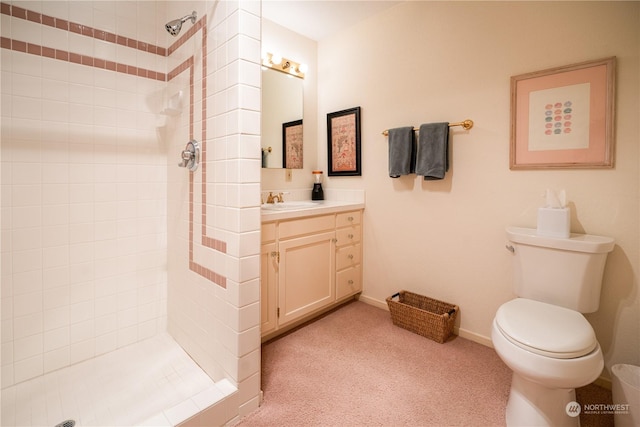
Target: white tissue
(563, 199)
(555, 200)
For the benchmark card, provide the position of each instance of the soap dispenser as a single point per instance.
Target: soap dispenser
(317, 193)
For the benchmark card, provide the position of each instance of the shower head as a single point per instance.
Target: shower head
(174, 27)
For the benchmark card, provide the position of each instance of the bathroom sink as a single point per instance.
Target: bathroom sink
(287, 206)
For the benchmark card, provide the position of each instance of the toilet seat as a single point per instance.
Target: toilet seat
(546, 329)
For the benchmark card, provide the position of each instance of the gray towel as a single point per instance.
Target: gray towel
(432, 159)
(402, 152)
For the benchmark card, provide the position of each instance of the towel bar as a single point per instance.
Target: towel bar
(466, 124)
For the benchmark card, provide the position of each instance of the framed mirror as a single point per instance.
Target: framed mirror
(282, 105)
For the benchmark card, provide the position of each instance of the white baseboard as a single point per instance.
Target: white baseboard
(472, 336)
(374, 302)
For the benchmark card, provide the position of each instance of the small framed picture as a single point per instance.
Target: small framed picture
(343, 132)
(563, 117)
(292, 145)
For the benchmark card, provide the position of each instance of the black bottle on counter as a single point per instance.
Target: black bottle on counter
(317, 193)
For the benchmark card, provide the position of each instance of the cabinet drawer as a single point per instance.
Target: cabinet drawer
(348, 282)
(268, 232)
(298, 227)
(348, 256)
(345, 219)
(348, 236)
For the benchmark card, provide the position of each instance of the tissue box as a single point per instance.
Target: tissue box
(554, 222)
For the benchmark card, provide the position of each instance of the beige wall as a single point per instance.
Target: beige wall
(448, 61)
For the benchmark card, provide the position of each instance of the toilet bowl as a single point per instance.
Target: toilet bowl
(542, 335)
(551, 351)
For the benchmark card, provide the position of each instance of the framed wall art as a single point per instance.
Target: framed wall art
(292, 145)
(564, 117)
(343, 132)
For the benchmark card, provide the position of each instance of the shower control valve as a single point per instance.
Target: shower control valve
(190, 156)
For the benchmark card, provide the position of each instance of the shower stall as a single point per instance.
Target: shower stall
(130, 285)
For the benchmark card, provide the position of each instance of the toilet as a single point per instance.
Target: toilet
(542, 335)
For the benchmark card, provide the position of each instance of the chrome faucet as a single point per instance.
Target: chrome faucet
(273, 199)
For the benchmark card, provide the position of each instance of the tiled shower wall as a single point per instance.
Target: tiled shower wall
(89, 166)
(83, 183)
(214, 213)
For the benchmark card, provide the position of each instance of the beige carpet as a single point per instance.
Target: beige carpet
(353, 367)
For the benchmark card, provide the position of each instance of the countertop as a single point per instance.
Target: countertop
(323, 207)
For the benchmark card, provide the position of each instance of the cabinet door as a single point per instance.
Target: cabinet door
(306, 279)
(268, 287)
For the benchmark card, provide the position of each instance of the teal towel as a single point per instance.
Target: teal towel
(402, 152)
(432, 158)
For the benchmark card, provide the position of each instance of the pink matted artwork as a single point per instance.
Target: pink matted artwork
(343, 131)
(292, 143)
(563, 117)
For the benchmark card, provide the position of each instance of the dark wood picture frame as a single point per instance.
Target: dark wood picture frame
(343, 143)
(292, 145)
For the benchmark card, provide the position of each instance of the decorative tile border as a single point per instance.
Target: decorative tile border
(206, 241)
(62, 55)
(74, 27)
(90, 61)
(188, 34)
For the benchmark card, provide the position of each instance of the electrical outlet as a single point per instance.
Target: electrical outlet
(288, 175)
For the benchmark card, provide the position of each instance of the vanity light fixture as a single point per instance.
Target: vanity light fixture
(284, 65)
(276, 59)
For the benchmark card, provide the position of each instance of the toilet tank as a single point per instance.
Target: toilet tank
(561, 271)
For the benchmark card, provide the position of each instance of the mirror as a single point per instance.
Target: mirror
(282, 111)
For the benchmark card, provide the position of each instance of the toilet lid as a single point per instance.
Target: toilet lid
(546, 329)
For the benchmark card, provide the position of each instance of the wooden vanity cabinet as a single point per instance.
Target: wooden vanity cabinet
(268, 279)
(308, 265)
(348, 253)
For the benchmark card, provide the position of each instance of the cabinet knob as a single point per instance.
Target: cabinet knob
(350, 256)
(350, 236)
(350, 218)
(350, 282)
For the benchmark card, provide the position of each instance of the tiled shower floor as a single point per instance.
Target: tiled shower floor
(153, 382)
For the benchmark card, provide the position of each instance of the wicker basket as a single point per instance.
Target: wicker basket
(423, 315)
